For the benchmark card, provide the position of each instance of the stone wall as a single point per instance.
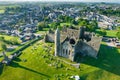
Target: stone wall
(95, 42)
(67, 50)
(84, 49)
(49, 38)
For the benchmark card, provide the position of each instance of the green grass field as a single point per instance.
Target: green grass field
(64, 24)
(107, 62)
(2, 11)
(111, 33)
(9, 38)
(37, 63)
(6, 37)
(43, 32)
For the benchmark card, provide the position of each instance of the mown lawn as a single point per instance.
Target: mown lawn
(110, 33)
(6, 37)
(64, 24)
(44, 31)
(37, 63)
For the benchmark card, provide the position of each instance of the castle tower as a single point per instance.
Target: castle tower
(81, 34)
(57, 42)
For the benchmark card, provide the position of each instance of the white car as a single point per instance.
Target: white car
(76, 77)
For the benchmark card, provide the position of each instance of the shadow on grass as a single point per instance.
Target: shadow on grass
(15, 64)
(17, 59)
(108, 59)
(1, 69)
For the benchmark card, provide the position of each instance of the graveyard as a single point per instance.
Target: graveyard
(37, 62)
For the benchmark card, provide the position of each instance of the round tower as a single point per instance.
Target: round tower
(57, 42)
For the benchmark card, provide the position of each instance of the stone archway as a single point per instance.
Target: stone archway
(72, 41)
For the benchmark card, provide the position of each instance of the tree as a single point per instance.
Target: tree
(54, 25)
(103, 32)
(1, 38)
(61, 18)
(90, 28)
(90, 25)
(41, 25)
(14, 41)
(74, 22)
(83, 22)
(68, 19)
(94, 23)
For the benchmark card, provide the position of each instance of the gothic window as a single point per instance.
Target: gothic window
(72, 41)
(66, 51)
(63, 51)
(69, 52)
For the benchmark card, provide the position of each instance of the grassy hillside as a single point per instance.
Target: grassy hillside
(37, 63)
(111, 33)
(6, 37)
(107, 62)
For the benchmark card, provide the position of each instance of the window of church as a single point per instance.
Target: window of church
(66, 51)
(69, 52)
(63, 51)
(72, 41)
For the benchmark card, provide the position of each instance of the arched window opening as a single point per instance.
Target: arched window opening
(69, 52)
(72, 41)
(63, 51)
(66, 51)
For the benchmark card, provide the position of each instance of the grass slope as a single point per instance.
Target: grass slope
(111, 33)
(107, 62)
(6, 37)
(37, 63)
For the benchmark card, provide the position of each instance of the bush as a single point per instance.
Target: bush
(42, 25)
(60, 65)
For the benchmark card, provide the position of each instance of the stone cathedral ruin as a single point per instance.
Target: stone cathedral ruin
(71, 43)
